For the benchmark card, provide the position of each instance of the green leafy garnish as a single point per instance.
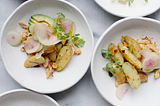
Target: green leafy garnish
(54, 25)
(110, 74)
(61, 15)
(81, 42)
(106, 54)
(61, 29)
(153, 71)
(48, 37)
(59, 36)
(131, 1)
(109, 67)
(129, 48)
(59, 22)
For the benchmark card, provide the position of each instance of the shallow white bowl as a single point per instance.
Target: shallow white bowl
(148, 93)
(138, 8)
(35, 78)
(22, 97)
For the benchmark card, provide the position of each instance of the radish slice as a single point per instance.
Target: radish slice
(151, 62)
(46, 63)
(44, 36)
(145, 52)
(69, 26)
(32, 31)
(13, 37)
(121, 90)
(40, 48)
(31, 45)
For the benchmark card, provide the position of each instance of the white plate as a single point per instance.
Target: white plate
(22, 97)
(35, 78)
(138, 8)
(147, 94)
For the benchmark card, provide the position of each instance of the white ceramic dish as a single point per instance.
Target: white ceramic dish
(35, 78)
(138, 8)
(22, 97)
(148, 93)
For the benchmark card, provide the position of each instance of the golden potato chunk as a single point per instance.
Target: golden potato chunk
(63, 57)
(34, 61)
(133, 45)
(129, 56)
(143, 77)
(131, 75)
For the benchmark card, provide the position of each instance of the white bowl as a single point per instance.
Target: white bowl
(22, 97)
(35, 78)
(138, 8)
(148, 93)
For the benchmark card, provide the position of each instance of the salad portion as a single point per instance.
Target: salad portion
(131, 61)
(48, 42)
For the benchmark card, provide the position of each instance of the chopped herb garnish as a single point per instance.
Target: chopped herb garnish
(59, 36)
(61, 15)
(153, 71)
(131, 1)
(81, 42)
(61, 29)
(59, 22)
(106, 54)
(146, 1)
(77, 34)
(110, 74)
(54, 31)
(54, 25)
(48, 37)
(129, 48)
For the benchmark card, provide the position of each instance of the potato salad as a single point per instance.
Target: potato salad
(48, 42)
(130, 60)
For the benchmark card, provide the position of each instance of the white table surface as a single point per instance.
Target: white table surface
(84, 93)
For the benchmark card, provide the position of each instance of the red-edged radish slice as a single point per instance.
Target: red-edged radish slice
(145, 52)
(31, 45)
(121, 90)
(69, 26)
(46, 63)
(45, 37)
(40, 48)
(13, 37)
(151, 62)
(32, 31)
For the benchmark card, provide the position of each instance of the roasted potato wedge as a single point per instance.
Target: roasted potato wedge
(133, 45)
(131, 75)
(53, 56)
(118, 74)
(63, 57)
(49, 49)
(114, 50)
(129, 56)
(120, 57)
(143, 77)
(34, 61)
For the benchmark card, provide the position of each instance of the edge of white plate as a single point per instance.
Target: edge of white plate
(126, 15)
(68, 3)
(24, 90)
(103, 35)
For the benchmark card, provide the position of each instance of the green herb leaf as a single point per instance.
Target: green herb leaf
(59, 22)
(130, 1)
(104, 55)
(54, 31)
(153, 71)
(129, 48)
(146, 1)
(60, 15)
(61, 29)
(59, 36)
(48, 37)
(110, 74)
(81, 42)
(54, 25)
(77, 34)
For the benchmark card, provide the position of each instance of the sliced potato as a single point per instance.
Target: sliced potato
(49, 49)
(63, 57)
(120, 57)
(129, 56)
(113, 48)
(143, 77)
(131, 75)
(58, 47)
(118, 74)
(53, 56)
(133, 45)
(34, 61)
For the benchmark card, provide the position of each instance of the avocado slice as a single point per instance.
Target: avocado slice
(42, 18)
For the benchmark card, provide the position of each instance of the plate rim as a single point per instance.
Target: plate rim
(91, 36)
(116, 14)
(99, 41)
(25, 90)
